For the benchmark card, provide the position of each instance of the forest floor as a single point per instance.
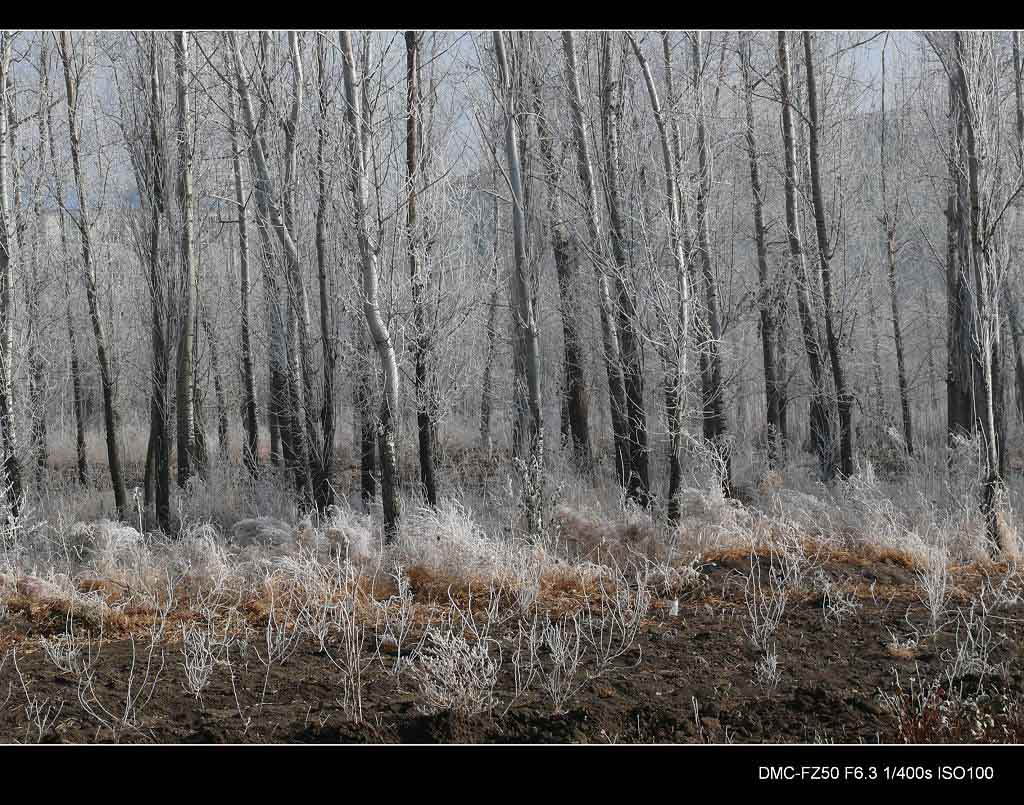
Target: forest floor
(878, 666)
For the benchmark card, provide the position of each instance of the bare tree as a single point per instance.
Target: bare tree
(73, 74)
(490, 328)
(77, 393)
(767, 298)
(387, 422)
(821, 424)
(972, 55)
(676, 378)
(1012, 299)
(889, 220)
(36, 282)
(185, 407)
(524, 320)
(284, 360)
(844, 397)
(959, 297)
(252, 444)
(8, 437)
(323, 489)
(715, 421)
(632, 455)
(610, 335)
(425, 427)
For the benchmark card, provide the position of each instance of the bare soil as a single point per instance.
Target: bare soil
(689, 679)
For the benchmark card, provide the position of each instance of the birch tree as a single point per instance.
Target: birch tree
(281, 222)
(11, 462)
(387, 418)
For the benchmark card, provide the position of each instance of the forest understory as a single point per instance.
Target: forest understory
(866, 611)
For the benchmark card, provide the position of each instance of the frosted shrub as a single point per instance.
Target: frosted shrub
(351, 534)
(766, 603)
(198, 653)
(445, 539)
(767, 672)
(934, 586)
(707, 517)
(105, 545)
(455, 675)
(261, 531)
(200, 557)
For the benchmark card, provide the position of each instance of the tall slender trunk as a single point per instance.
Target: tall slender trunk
(844, 397)
(766, 308)
(390, 480)
(628, 406)
(282, 452)
(565, 255)
(8, 437)
(324, 471)
(285, 382)
(185, 401)
(575, 396)
(715, 419)
(77, 397)
(251, 447)
(421, 338)
(959, 385)
(364, 391)
(675, 391)
(37, 366)
(986, 344)
(1011, 295)
(299, 351)
(524, 319)
(491, 332)
(821, 425)
(219, 395)
(72, 78)
(889, 222)
(160, 459)
(897, 334)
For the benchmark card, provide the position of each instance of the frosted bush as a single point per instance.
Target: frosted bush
(200, 556)
(446, 539)
(262, 531)
(455, 675)
(351, 534)
(707, 516)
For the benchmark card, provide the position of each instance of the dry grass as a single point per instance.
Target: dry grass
(241, 544)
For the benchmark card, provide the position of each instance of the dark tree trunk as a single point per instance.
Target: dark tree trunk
(766, 295)
(92, 295)
(251, 448)
(844, 397)
(323, 489)
(575, 398)
(425, 427)
(629, 412)
(821, 426)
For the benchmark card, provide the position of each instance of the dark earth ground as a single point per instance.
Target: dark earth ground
(831, 675)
